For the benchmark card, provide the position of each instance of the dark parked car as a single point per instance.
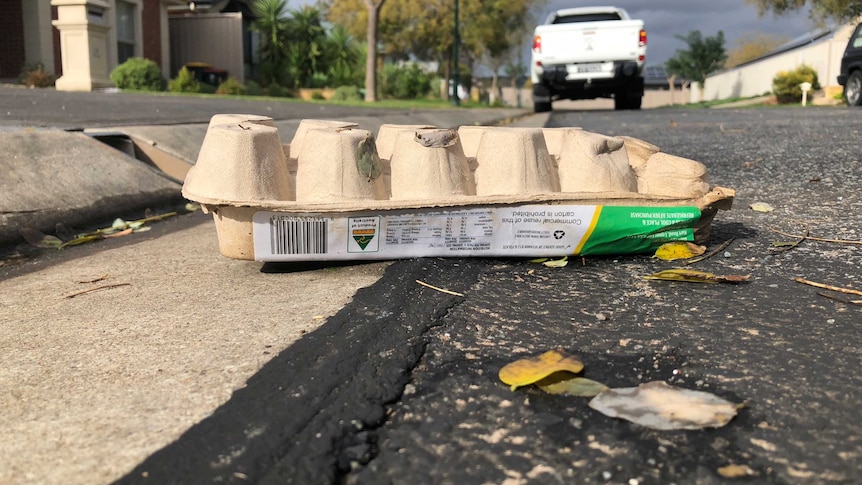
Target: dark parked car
(851, 69)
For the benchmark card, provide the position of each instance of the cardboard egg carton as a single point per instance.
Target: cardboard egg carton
(337, 192)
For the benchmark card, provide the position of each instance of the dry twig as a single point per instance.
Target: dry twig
(812, 238)
(441, 290)
(828, 287)
(94, 280)
(89, 290)
(717, 250)
(792, 245)
(842, 300)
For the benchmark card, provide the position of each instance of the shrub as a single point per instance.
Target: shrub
(138, 73)
(318, 80)
(185, 82)
(231, 86)
(785, 84)
(317, 95)
(252, 88)
(404, 82)
(346, 93)
(279, 91)
(34, 75)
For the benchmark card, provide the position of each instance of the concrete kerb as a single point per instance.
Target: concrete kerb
(55, 176)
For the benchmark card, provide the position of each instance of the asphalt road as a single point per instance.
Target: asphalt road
(78, 110)
(401, 385)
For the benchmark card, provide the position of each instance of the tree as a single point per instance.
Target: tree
(373, 7)
(753, 46)
(839, 10)
(342, 55)
(306, 39)
(703, 57)
(500, 26)
(270, 21)
(423, 30)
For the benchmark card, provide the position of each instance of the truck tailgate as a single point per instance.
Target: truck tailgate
(590, 41)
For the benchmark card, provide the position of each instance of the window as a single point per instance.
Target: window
(589, 17)
(125, 31)
(857, 38)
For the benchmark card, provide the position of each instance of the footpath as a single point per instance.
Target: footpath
(113, 349)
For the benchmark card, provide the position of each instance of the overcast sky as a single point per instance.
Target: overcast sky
(664, 19)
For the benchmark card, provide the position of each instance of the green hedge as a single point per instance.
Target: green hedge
(138, 73)
(785, 84)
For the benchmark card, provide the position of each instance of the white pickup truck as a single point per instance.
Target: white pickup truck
(588, 53)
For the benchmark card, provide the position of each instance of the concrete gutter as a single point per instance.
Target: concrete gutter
(55, 176)
(116, 351)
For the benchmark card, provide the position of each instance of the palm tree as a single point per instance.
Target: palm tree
(270, 21)
(307, 38)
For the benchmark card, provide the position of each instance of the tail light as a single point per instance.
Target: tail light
(537, 43)
(641, 39)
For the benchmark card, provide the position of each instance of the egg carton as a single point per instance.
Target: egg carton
(337, 192)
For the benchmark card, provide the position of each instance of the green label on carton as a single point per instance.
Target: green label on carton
(623, 230)
(531, 230)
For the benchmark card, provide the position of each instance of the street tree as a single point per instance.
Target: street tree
(500, 25)
(752, 46)
(424, 30)
(272, 24)
(306, 40)
(373, 7)
(839, 10)
(704, 56)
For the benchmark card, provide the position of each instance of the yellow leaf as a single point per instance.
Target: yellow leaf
(524, 372)
(557, 263)
(761, 207)
(678, 250)
(692, 276)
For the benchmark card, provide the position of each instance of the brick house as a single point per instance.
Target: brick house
(81, 41)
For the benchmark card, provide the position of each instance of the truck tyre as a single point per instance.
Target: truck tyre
(541, 99)
(542, 107)
(624, 100)
(853, 89)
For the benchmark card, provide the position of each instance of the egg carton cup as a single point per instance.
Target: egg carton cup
(338, 192)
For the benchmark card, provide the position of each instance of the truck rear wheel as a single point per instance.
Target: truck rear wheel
(542, 107)
(624, 100)
(541, 99)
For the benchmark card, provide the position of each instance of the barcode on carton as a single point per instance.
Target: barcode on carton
(298, 235)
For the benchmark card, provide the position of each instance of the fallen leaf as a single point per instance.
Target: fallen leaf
(142, 229)
(761, 207)
(678, 250)
(437, 139)
(658, 405)
(538, 260)
(124, 232)
(367, 160)
(736, 471)
(35, 237)
(191, 207)
(565, 383)
(85, 238)
(692, 276)
(527, 371)
(118, 224)
(557, 263)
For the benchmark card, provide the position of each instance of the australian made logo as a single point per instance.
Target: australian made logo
(364, 234)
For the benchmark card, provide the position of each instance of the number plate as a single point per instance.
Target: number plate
(590, 67)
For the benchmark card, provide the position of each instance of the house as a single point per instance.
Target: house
(81, 41)
(821, 50)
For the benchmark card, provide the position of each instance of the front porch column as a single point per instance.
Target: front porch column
(83, 26)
